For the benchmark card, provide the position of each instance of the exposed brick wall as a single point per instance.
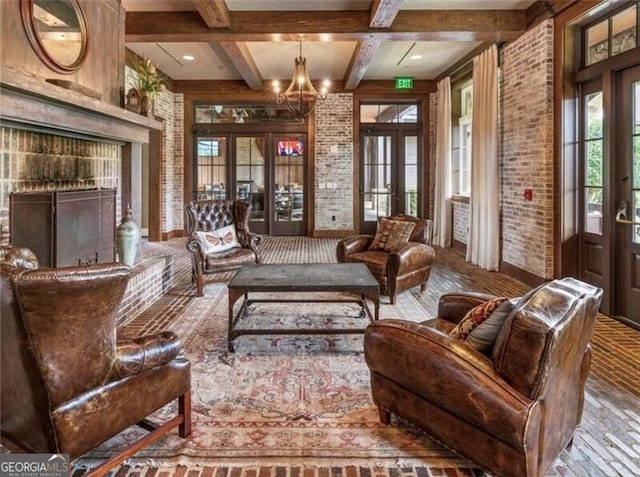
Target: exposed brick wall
(169, 108)
(527, 151)
(34, 162)
(460, 226)
(334, 163)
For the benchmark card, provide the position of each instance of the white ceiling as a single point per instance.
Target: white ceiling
(324, 59)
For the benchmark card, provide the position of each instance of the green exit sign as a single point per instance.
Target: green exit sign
(404, 82)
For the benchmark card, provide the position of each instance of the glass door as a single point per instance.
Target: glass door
(389, 176)
(289, 165)
(269, 172)
(250, 178)
(628, 199)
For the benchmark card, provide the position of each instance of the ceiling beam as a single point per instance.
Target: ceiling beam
(332, 25)
(239, 55)
(359, 63)
(381, 15)
(215, 13)
(383, 12)
(542, 10)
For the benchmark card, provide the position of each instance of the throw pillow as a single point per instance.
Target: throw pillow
(483, 336)
(220, 240)
(392, 235)
(475, 317)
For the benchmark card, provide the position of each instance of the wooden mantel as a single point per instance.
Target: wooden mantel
(32, 101)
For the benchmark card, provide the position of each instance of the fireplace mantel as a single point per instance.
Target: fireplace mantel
(30, 101)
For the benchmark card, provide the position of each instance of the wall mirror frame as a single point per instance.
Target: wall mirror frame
(57, 31)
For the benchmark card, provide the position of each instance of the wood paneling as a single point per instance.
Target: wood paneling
(103, 65)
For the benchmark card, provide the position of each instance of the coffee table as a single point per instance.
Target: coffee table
(352, 278)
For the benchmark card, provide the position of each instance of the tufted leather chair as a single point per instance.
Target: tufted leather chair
(397, 271)
(207, 215)
(511, 411)
(68, 382)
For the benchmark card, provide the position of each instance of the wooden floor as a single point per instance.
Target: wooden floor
(607, 442)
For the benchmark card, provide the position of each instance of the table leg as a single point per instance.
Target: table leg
(233, 297)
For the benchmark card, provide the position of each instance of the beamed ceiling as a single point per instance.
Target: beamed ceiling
(347, 41)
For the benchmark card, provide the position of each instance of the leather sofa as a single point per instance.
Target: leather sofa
(399, 270)
(510, 410)
(68, 382)
(209, 215)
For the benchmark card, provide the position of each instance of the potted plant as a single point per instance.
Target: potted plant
(149, 84)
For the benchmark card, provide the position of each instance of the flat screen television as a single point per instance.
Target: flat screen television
(290, 148)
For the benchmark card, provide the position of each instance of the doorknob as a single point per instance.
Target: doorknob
(621, 215)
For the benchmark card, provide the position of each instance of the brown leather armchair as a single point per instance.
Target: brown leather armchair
(208, 215)
(68, 383)
(395, 271)
(511, 411)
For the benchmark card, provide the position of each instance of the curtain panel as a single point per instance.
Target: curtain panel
(483, 248)
(442, 215)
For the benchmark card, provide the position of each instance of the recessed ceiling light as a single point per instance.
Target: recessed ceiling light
(188, 57)
(415, 57)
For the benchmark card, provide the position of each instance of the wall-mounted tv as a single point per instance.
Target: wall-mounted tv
(290, 148)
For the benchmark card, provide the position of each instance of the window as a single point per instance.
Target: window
(611, 36)
(593, 152)
(389, 113)
(461, 140)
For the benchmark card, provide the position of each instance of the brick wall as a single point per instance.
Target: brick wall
(527, 151)
(34, 162)
(169, 108)
(334, 163)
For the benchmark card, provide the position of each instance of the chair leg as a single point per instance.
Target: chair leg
(200, 285)
(385, 416)
(184, 409)
(393, 299)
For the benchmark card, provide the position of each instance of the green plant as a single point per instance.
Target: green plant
(150, 81)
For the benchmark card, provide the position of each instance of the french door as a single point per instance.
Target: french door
(610, 193)
(389, 175)
(269, 171)
(627, 191)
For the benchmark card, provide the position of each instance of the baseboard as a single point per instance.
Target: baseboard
(459, 246)
(519, 274)
(172, 234)
(332, 233)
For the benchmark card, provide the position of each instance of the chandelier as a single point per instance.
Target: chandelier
(301, 96)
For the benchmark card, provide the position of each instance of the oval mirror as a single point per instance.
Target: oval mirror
(57, 31)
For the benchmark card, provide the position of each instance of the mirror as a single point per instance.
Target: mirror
(57, 31)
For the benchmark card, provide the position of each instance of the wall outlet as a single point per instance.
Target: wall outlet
(333, 218)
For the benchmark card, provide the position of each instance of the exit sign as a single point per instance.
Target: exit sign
(404, 82)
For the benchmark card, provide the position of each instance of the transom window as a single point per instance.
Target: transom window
(611, 36)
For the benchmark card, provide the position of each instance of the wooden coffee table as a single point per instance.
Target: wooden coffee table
(290, 279)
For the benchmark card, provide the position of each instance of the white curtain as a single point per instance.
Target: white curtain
(483, 248)
(442, 199)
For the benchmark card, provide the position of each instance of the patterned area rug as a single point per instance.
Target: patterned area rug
(278, 399)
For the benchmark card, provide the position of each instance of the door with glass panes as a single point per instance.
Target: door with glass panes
(269, 171)
(610, 194)
(389, 175)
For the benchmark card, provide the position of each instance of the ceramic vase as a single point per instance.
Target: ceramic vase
(127, 239)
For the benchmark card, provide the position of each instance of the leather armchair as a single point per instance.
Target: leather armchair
(511, 411)
(396, 271)
(208, 215)
(68, 382)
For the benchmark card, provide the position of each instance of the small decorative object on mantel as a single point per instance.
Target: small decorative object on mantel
(149, 84)
(133, 101)
(127, 239)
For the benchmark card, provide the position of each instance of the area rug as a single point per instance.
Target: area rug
(281, 399)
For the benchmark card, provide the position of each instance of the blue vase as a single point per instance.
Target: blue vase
(127, 239)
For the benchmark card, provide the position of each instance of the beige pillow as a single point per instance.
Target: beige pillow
(220, 240)
(392, 235)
